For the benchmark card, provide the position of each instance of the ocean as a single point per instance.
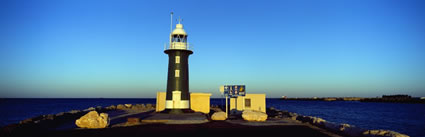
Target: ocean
(403, 118)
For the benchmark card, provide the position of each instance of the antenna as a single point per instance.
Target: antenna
(180, 20)
(171, 26)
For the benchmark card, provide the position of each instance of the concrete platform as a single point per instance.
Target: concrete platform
(185, 118)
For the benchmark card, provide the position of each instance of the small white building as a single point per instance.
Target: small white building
(256, 102)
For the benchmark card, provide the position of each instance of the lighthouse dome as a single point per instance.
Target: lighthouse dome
(179, 30)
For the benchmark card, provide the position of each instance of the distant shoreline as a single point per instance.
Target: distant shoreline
(390, 99)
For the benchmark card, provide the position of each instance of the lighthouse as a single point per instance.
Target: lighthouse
(178, 51)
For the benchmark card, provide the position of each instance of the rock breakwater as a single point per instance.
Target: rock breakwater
(343, 129)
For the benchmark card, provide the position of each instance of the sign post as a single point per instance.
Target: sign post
(223, 94)
(226, 107)
(232, 91)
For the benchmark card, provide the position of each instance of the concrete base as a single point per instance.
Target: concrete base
(184, 118)
(177, 111)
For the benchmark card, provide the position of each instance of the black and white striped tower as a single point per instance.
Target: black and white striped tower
(178, 96)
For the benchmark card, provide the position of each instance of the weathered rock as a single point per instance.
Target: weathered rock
(290, 114)
(318, 121)
(294, 117)
(128, 105)
(121, 106)
(331, 126)
(141, 105)
(99, 108)
(285, 113)
(111, 107)
(305, 119)
(280, 113)
(74, 111)
(216, 109)
(49, 117)
(350, 130)
(149, 106)
(93, 120)
(385, 133)
(60, 114)
(219, 116)
(89, 109)
(250, 115)
(138, 107)
(29, 120)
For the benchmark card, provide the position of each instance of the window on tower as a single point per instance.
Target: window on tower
(177, 59)
(177, 73)
(179, 38)
(184, 39)
(175, 38)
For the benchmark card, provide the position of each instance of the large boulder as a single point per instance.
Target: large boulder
(121, 106)
(350, 130)
(318, 121)
(219, 116)
(138, 107)
(331, 126)
(93, 120)
(250, 115)
(111, 107)
(128, 105)
(305, 119)
(292, 116)
(150, 106)
(383, 133)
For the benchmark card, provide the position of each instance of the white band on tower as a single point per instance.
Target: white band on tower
(177, 103)
(183, 104)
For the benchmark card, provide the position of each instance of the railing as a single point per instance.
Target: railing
(178, 45)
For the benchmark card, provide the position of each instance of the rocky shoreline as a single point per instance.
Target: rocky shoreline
(342, 129)
(54, 122)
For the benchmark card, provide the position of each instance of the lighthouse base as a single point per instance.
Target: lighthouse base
(177, 104)
(183, 118)
(177, 111)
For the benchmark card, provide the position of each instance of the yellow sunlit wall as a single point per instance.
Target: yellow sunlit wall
(200, 102)
(257, 102)
(160, 101)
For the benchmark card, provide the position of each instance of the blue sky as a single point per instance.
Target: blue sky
(114, 48)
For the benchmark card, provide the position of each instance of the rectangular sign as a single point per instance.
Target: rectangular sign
(234, 90)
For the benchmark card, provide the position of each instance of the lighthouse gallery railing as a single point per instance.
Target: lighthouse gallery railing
(177, 45)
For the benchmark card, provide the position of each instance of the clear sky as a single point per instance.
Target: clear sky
(300, 48)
